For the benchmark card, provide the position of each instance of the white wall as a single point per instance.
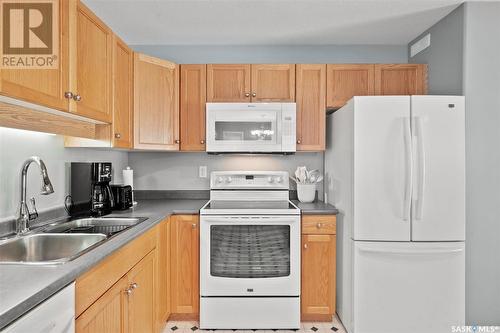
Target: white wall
(482, 93)
(17, 145)
(179, 171)
(445, 54)
(301, 54)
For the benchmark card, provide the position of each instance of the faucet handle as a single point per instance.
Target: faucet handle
(33, 215)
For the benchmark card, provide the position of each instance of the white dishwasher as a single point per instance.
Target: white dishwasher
(55, 315)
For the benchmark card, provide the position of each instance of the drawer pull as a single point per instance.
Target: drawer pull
(319, 225)
(305, 245)
(193, 225)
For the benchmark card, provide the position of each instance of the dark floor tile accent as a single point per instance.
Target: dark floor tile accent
(314, 328)
(174, 328)
(335, 329)
(194, 328)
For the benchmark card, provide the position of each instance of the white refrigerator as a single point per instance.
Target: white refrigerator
(395, 169)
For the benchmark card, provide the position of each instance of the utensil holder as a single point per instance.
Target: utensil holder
(306, 192)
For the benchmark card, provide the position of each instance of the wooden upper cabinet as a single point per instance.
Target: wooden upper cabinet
(346, 81)
(108, 313)
(185, 264)
(311, 109)
(273, 83)
(141, 299)
(193, 98)
(123, 71)
(401, 79)
(228, 83)
(45, 87)
(156, 103)
(93, 63)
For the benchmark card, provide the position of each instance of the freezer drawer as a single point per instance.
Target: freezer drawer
(404, 287)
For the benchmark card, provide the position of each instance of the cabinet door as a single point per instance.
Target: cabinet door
(108, 314)
(141, 298)
(156, 103)
(42, 86)
(92, 78)
(163, 259)
(401, 79)
(123, 64)
(345, 81)
(273, 83)
(193, 92)
(318, 277)
(311, 113)
(228, 83)
(185, 264)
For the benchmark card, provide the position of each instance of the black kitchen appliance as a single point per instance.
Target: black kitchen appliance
(90, 190)
(123, 196)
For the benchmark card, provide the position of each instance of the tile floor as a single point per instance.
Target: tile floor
(319, 327)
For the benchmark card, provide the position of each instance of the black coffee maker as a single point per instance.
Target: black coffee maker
(90, 191)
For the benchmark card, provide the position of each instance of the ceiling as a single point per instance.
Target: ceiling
(270, 22)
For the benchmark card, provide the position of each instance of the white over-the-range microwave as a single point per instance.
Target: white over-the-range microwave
(251, 128)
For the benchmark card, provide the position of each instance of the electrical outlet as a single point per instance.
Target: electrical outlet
(202, 171)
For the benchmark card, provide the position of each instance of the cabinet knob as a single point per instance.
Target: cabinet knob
(193, 225)
(133, 286)
(77, 97)
(305, 245)
(247, 94)
(68, 95)
(128, 291)
(254, 94)
(202, 142)
(177, 141)
(319, 225)
(118, 135)
(298, 141)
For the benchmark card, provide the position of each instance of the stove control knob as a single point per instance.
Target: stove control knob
(279, 179)
(228, 180)
(270, 179)
(219, 179)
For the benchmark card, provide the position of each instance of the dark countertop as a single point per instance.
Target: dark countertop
(316, 208)
(22, 287)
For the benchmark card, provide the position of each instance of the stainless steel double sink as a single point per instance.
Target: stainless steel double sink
(63, 241)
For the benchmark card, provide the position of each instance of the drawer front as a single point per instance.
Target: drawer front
(319, 224)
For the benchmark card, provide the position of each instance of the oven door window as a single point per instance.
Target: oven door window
(250, 251)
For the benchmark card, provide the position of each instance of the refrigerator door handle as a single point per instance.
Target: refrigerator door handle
(408, 169)
(419, 204)
(410, 252)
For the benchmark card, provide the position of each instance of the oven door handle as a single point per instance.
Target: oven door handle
(249, 219)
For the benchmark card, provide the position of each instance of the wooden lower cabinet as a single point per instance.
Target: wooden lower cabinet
(185, 290)
(128, 306)
(140, 295)
(127, 292)
(163, 308)
(318, 268)
(108, 313)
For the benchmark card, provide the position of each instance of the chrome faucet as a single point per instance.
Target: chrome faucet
(25, 216)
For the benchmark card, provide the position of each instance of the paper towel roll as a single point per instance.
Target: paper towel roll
(128, 177)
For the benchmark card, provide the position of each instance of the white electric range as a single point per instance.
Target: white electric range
(249, 253)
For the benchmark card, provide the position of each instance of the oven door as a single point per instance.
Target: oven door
(243, 130)
(250, 256)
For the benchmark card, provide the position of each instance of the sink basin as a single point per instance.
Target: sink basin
(101, 225)
(47, 248)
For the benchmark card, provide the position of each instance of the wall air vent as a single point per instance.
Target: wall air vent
(420, 45)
